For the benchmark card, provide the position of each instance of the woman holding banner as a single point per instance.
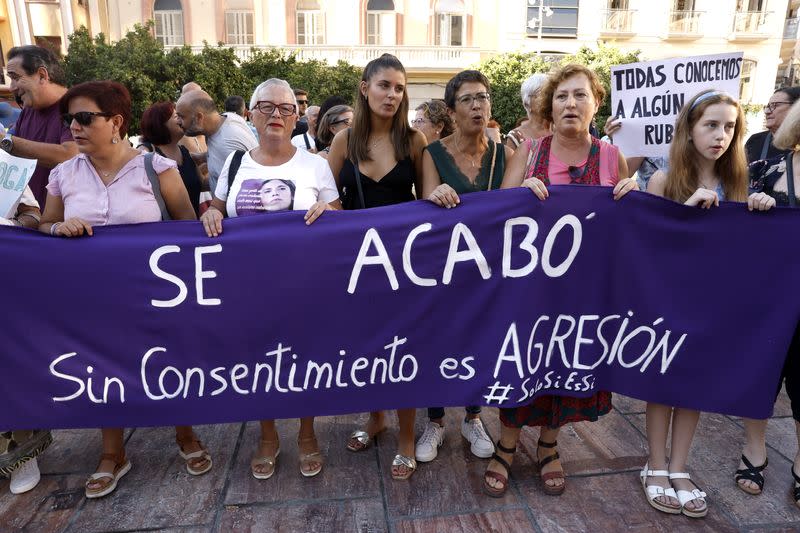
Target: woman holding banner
(255, 183)
(461, 163)
(778, 178)
(109, 183)
(569, 99)
(707, 164)
(376, 163)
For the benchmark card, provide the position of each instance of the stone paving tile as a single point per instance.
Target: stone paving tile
(74, 451)
(359, 470)
(158, 492)
(48, 507)
(612, 502)
(449, 484)
(357, 516)
(507, 521)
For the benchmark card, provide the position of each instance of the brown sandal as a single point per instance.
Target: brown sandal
(308, 458)
(496, 492)
(197, 463)
(108, 480)
(269, 461)
(552, 490)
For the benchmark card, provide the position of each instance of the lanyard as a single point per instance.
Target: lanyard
(790, 179)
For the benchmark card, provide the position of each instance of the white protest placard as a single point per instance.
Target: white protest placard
(648, 96)
(15, 173)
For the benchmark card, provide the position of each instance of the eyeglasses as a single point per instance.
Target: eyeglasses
(418, 122)
(302, 102)
(268, 108)
(772, 105)
(84, 118)
(468, 99)
(346, 121)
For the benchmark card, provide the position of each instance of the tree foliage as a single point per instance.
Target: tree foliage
(151, 74)
(506, 72)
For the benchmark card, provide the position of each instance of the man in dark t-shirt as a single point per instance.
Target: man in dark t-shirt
(38, 80)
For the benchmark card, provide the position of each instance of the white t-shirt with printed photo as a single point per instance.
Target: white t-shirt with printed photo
(297, 184)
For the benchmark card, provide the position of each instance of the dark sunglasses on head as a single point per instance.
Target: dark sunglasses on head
(84, 118)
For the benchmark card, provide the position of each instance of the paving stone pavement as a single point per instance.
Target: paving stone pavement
(355, 492)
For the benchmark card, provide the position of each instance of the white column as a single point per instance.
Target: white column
(21, 10)
(94, 18)
(67, 23)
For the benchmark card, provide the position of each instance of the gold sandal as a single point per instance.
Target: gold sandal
(307, 459)
(197, 463)
(268, 461)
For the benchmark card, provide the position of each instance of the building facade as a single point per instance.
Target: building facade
(436, 38)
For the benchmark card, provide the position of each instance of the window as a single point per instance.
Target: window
(617, 4)
(239, 27)
(450, 24)
(746, 81)
(559, 18)
(381, 22)
(310, 23)
(749, 5)
(683, 5)
(168, 15)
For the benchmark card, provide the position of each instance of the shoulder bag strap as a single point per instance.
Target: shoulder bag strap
(491, 170)
(155, 184)
(765, 145)
(236, 162)
(359, 186)
(790, 179)
(305, 138)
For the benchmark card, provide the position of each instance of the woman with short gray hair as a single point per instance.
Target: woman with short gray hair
(533, 127)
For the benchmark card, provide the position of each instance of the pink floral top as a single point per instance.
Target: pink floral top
(128, 199)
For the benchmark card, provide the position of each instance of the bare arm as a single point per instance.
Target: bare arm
(48, 155)
(657, 183)
(337, 154)
(418, 144)
(430, 176)
(175, 196)
(515, 167)
(28, 216)
(623, 167)
(633, 164)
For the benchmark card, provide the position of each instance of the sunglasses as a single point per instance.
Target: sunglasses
(84, 118)
(345, 121)
(302, 102)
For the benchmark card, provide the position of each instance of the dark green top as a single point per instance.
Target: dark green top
(451, 175)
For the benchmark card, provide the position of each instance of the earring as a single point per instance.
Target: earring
(114, 140)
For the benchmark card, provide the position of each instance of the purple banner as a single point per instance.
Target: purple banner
(491, 303)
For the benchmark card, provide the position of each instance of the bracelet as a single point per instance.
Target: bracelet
(54, 227)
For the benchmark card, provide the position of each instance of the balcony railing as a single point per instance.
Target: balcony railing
(751, 24)
(685, 23)
(617, 21)
(790, 29)
(434, 57)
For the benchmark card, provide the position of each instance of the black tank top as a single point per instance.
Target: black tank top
(393, 188)
(190, 176)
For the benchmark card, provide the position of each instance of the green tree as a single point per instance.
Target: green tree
(506, 72)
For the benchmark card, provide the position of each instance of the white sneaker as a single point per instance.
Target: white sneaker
(25, 478)
(481, 444)
(428, 444)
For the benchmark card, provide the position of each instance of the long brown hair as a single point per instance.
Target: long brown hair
(357, 149)
(731, 167)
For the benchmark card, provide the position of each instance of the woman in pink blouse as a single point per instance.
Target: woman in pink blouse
(107, 184)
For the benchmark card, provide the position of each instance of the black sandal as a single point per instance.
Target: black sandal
(495, 492)
(751, 473)
(552, 490)
(795, 488)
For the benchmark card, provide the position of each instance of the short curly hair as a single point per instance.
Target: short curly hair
(544, 100)
(436, 111)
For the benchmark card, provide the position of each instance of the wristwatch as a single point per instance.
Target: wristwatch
(7, 143)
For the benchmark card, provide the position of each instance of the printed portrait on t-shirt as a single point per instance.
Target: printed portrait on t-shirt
(265, 196)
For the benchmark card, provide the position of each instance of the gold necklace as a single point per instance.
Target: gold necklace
(470, 159)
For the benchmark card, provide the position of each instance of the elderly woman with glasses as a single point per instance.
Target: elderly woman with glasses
(280, 177)
(568, 99)
(434, 120)
(760, 145)
(336, 119)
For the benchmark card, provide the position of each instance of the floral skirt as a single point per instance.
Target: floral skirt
(20, 446)
(556, 411)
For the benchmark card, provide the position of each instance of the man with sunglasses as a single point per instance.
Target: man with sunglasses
(38, 80)
(301, 95)
(225, 133)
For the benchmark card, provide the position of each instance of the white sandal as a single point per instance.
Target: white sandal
(654, 491)
(685, 496)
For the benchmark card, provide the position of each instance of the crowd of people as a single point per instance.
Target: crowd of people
(277, 152)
